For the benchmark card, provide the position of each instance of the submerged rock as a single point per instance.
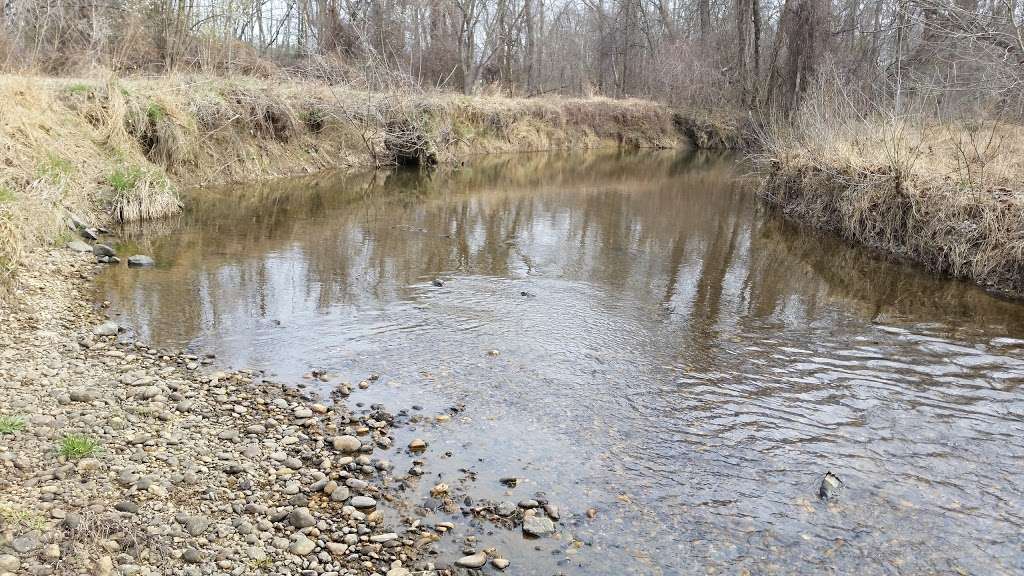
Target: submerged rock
(473, 561)
(437, 283)
(538, 525)
(141, 261)
(830, 486)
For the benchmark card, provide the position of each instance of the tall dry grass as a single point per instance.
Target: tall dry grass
(948, 194)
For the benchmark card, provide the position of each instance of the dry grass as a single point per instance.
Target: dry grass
(948, 196)
(108, 148)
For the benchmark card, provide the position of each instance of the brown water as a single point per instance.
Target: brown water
(685, 364)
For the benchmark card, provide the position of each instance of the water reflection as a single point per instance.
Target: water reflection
(682, 362)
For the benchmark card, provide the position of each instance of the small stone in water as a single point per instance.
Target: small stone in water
(538, 525)
(472, 561)
(830, 486)
(141, 261)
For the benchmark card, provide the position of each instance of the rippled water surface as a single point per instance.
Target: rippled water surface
(668, 355)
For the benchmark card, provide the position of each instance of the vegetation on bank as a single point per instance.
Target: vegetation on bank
(948, 195)
(121, 148)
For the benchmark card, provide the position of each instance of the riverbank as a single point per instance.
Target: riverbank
(946, 197)
(121, 149)
(117, 458)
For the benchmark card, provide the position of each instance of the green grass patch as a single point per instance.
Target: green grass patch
(11, 424)
(16, 517)
(155, 113)
(74, 446)
(55, 168)
(78, 88)
(6, 194)
(124, 179)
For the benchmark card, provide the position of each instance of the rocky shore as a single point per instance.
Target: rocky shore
(116, 458)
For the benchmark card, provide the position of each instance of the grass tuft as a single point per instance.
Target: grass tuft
(74, 446)
(124, 179)
(11, 424)
(155, 112)
(6, 195)
(14, 517)
(55, 169)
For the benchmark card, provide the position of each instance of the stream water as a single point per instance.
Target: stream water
(629, 333)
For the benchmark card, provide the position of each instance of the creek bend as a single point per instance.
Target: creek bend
(668, 354)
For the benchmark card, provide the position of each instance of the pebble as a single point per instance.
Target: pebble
(472, 561)
(108, 328)
(26, 543)
(347, 443)
(301, 546)
(9, 563)
(301, 518)
(500, 563)
(538, 525)
(363, 502)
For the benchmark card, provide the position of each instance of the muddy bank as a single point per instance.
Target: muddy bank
(117, 458)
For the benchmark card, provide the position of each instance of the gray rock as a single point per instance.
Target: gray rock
(79, 246)
(552, 511)
(26, 543)
(89, 233)
(347, 443)
(830, 486)
(192, 556)
(363, 502)
(127, 506)
(9, 563)
(76, 222)
(538, 525)
(108, 328)
(141, 261)
(301, 546)
(301, 518)
(82, 395)
(473, 561)
(340, 494)
(196, 525)
(103, 250)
